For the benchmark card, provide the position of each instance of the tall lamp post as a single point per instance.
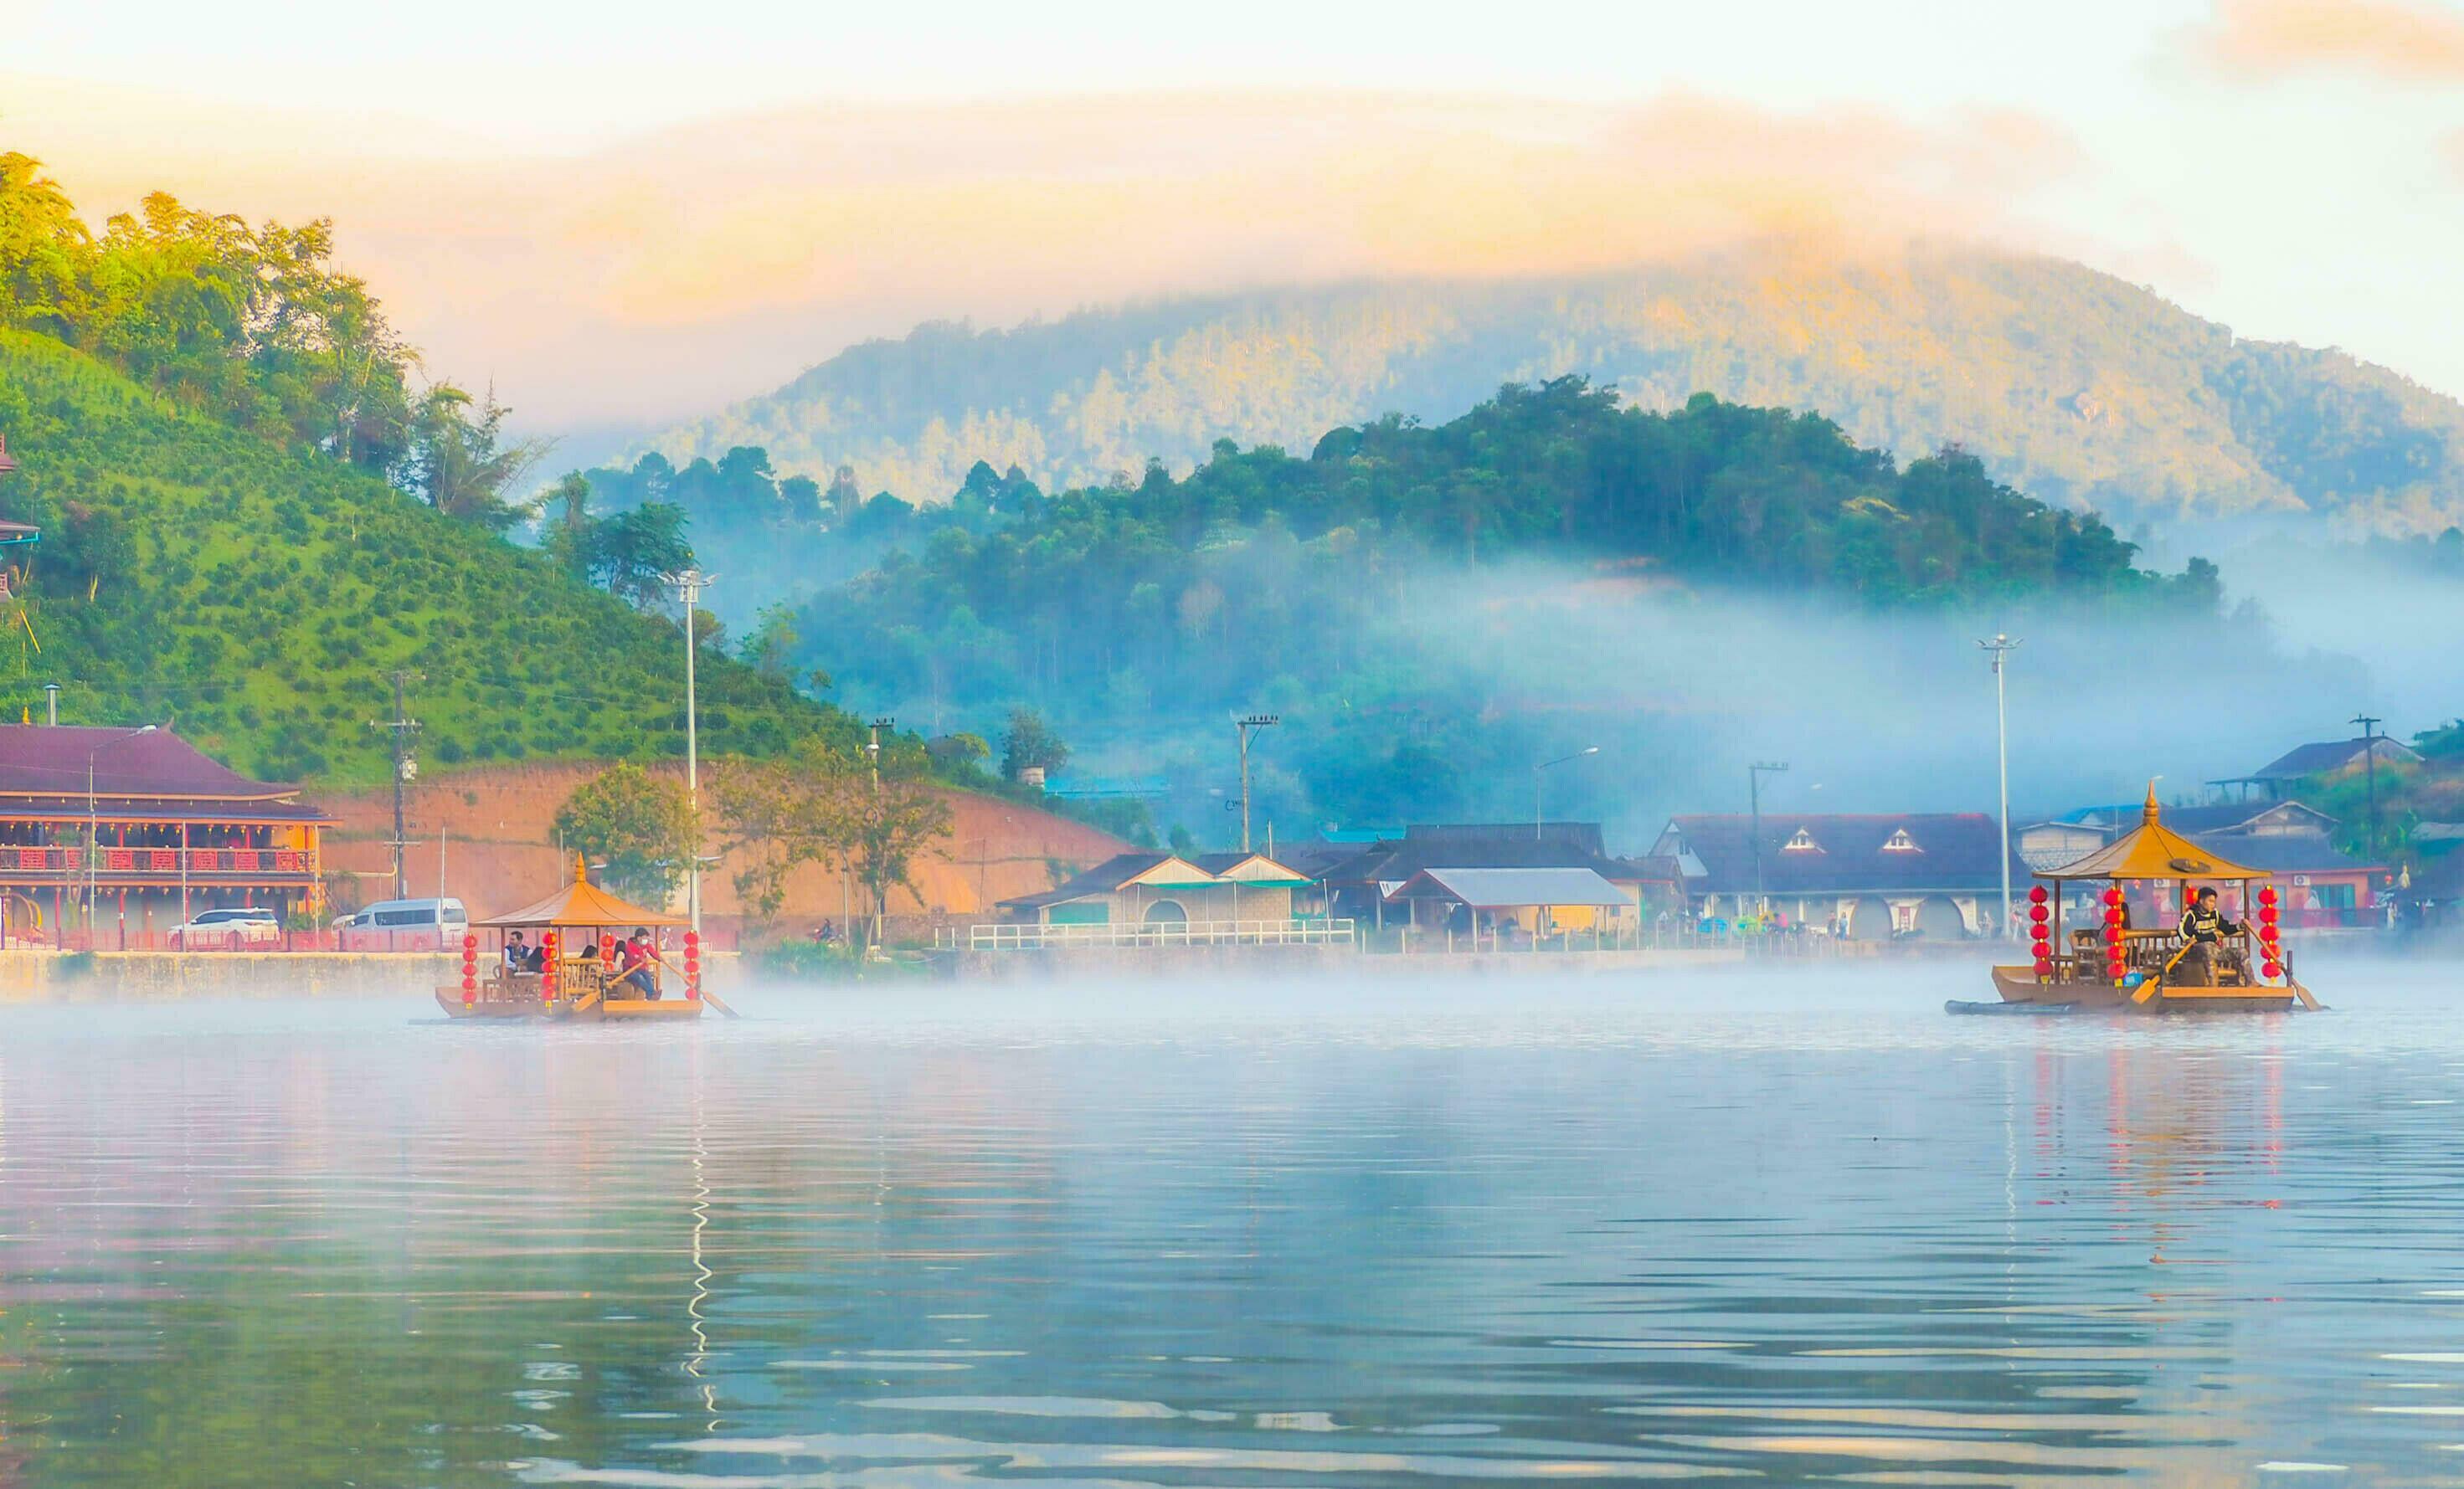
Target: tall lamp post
(1754, 775)
(93, 818)
(1247, 727)
(688, 587)
(1535, 782)
(1998, 648)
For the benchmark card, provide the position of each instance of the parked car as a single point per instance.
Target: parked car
(222, 928)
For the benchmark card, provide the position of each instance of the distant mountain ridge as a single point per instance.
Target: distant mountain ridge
(2070, 383)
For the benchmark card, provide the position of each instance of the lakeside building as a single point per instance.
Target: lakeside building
(2321, 886)
(2276, 780)
(1861, 877)
(1538, 879)
(1164, 890)
(176, 832)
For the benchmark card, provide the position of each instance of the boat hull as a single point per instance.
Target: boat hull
(2019, 985)
(591, 1010)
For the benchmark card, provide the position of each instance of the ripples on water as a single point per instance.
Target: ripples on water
(1681, 1229)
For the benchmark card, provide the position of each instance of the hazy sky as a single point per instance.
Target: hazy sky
(643, 211)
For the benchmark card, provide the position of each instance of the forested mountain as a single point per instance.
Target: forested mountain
(196, 573)
(1416, 600)
(2072, 384)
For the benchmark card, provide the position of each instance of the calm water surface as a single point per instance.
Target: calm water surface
(1353, 1236)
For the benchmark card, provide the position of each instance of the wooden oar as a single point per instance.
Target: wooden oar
(707, 997)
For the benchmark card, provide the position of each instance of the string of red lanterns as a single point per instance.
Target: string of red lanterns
(2040, 944)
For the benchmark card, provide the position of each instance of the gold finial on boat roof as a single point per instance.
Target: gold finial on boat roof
(581, 871)
(2148, 814)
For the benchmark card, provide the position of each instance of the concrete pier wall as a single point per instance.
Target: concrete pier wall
(171, 976)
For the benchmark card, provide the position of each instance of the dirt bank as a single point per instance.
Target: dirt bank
(498, 848)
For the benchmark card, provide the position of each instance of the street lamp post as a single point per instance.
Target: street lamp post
(688, 587)
(1535, 782)
(1754, 775)
(94, 821)
(2000, 647)
(1247, 727)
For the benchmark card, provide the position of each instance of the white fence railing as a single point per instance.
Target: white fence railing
(1174, 934)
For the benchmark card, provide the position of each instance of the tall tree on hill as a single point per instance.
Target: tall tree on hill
(44, 248)
(462, 463)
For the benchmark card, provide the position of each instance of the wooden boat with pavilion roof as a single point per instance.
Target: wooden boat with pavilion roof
(579, 977)
(2110, 965)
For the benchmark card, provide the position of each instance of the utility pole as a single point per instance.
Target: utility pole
(1754, 775)
(688, 587)
(1999, 647)
(1248, 725)
(403, 727)
(2371, 756)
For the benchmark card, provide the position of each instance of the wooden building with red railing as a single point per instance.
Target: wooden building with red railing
(175, 833)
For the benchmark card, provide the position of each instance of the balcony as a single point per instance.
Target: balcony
(128, 866)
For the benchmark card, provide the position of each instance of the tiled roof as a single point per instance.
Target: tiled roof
(44, 760)
(1952, 852)
(2326, 755)
(1513, 889)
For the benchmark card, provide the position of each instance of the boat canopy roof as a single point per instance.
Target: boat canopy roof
(2153, 850)
(581, 903)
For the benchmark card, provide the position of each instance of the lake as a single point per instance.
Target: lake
(1680, 1228)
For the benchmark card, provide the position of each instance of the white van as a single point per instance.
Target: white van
(445, 919)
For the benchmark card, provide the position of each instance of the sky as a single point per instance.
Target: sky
(629, 214)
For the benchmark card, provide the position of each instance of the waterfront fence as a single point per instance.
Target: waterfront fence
(1027, 937)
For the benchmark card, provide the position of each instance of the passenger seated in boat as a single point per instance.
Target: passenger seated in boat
(517, 956)
(636, 957)
(2204, 953)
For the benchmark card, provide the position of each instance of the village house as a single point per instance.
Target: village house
(1211, 894)
(1538, 879)
(1864, 878)
(178, 833)
(2320, 887)
(2278, 778)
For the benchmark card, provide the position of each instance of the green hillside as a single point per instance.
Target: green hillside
(2072, 384)
(259, 598)
(1428, 605)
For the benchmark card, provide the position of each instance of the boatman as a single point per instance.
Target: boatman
(2203, 928)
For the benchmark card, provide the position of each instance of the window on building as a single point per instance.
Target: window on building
(1802, 842)
(1901, 843)
(2332, 896)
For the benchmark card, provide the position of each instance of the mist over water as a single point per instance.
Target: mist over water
(1666, 1226)
(1881, 712)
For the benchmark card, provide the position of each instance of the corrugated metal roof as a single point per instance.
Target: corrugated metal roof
(1512, 888)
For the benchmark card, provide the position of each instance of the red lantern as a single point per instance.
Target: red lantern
(2040, 914)
(2113, 895)
(2044, 966)
(547, 964)
(2037, 895)
(2113, 917)
(2273, 968)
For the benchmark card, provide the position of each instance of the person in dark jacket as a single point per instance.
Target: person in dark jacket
(2203, 931)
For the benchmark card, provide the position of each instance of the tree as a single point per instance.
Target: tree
(639, 826)
(461, 462)
(816, 806)
(45, 250)
(569, 524)
(769, 648)
(633, 552)
(1027, 744)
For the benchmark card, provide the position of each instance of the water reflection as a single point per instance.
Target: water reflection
(1353, 1236)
